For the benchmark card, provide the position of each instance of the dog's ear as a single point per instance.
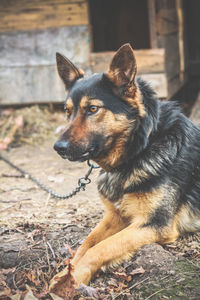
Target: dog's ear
(67, 71)
(123, 67)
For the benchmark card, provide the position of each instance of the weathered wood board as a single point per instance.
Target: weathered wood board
(167, 21)
(148, 60)
(38, 48)
(170, 33)
(152, 23)
(158, 81)
(40, 14)
(26, 85)
(27, 63)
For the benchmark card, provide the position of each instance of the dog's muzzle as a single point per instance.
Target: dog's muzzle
(71, 152)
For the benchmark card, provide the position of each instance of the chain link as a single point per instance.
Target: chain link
(82, 182)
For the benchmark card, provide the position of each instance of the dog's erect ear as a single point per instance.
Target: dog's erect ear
(67, 71)
(123, 67)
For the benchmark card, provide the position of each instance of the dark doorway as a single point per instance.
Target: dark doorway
(115, 22)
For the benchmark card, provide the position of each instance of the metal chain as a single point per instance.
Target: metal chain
(82, 182)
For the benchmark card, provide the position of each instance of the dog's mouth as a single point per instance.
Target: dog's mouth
(76, 154)
(75, 157)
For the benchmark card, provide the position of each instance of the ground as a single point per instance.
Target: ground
(38, 232)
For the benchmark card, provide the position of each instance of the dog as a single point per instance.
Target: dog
(149, 154)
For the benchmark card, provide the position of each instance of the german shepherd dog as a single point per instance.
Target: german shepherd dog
(149, 154)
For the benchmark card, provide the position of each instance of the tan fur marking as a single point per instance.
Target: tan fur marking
(114, 126)
(137, 207)
(85, 102)
(136, 177)
(96, 102)
(79, 130)
(69, 104)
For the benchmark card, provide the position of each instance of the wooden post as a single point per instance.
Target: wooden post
(152, 24)
(179, 8)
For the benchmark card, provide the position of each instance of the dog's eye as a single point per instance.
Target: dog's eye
(93, 109)
(68, 112)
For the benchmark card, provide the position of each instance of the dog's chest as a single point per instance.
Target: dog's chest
(135, 206)
(110, 186)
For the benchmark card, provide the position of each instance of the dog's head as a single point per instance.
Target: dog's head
(102, 110)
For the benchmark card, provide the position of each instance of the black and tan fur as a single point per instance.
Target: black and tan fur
(149, 153)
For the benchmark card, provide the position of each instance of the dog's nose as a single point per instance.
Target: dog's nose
(61, 146)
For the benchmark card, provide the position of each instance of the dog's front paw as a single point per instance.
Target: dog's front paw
(81, 274)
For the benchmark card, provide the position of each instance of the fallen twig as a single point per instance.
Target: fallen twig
(154, 294)
(15, 201)
(130, 288)
(13, 175)
(53, 253)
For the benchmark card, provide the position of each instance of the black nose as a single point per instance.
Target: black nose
(61, 146)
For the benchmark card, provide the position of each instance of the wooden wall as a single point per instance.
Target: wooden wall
(31, 32)
(40, 14)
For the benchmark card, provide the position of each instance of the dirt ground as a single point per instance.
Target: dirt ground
(36, 230)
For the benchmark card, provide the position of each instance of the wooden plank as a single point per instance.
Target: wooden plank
(27, 85)
(27, 63)
(172, 59)
(38, 48)
(167, 22)
(158, 82)
(29, 15)
(148, 61)
(179, 5)
(152, 23)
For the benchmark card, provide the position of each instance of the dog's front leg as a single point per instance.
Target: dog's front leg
(114, 249)
(110, 224)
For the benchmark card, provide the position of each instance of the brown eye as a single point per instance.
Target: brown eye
(93, 109)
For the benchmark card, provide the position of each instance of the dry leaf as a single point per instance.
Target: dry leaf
(122, 275)
(71, 252)
(63, 283)
(55, 297)
(28, 295)
(6, 292)
(113, 282)
(139, 270)
(33, 276)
